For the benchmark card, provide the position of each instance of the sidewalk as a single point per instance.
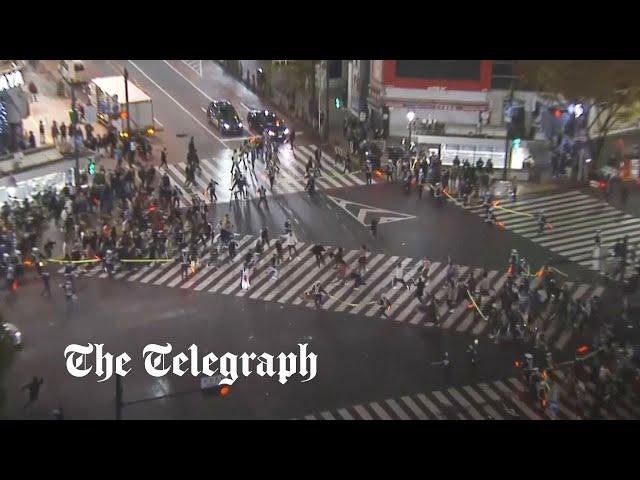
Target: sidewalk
(49, 106)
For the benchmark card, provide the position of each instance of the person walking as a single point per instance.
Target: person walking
(624, 196)
(41, 130)
(63, 132)
(34, 390)
(290, 242)
(46, 292)
(33, 90)
(163, 158)
(54, 132)
(368, 171)
(292, 137)
(272, 177)
(318, 157)
(32, 140)
(347, 164)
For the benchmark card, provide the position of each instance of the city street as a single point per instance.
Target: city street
(369, 366)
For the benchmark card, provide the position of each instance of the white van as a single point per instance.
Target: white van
(73, 71)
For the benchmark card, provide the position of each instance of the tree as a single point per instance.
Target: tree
(609, 89)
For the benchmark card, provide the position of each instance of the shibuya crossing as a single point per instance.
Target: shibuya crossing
(317, 240)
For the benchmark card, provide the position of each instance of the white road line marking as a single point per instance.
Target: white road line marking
(178, 104)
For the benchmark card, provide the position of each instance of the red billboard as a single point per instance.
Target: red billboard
(474, 75)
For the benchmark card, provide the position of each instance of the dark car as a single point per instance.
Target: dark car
(369, 150)
(264, 120)
(397, 152)
(224, 116)
(11, 334)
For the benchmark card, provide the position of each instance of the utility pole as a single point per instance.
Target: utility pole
(326, 115)
(507, 140)
(126, 99)
(119, 402)
(76, 150)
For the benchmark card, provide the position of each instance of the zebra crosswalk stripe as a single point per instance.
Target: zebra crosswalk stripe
(296, 276)
(573, 217)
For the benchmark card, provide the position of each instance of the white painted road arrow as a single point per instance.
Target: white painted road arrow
(384, 216)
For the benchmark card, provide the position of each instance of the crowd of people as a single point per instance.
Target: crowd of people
(137, 214)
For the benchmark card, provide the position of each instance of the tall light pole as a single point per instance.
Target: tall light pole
(411, 116)
(74, 121)
(507, 136)
(126, 99)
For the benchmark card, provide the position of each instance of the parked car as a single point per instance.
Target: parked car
(369, 150)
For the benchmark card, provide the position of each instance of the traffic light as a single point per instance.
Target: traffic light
(92, 167)
(124, 115)
(73, 116)
(338, 103)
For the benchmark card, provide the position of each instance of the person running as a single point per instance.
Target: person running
(362, 260)
(273, 266)
(384, 305)
(279, 251)
(262, 194)
(318, 292)
(318, 250)
(290, 242)
(34, 390)
(398, 276)
(211, 190)
(264, 236)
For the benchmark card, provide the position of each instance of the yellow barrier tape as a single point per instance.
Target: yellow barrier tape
(476, 305)
(143, 260)
(56, 260)
(495, 205)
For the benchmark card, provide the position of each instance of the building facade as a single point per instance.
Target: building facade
(461, 107)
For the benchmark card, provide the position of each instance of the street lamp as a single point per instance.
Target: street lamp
(411, 116)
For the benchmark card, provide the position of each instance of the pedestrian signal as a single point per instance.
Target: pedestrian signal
(516, 142)
(73, 116)
(338, 103)
(92, 167)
